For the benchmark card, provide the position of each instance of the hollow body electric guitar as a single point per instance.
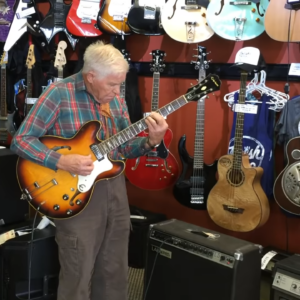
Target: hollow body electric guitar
(158, 169)
(144, 17)
(185, 21)
(196, 179)
(286, 187)
(59, 194)
(236, 20)
(112, 19)
(237, 202)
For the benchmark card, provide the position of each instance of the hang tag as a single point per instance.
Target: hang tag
(7, 236)
(247, 55)
(245, 108)
(30, 100)
(294, 69)
(266, 258)
(25, 13)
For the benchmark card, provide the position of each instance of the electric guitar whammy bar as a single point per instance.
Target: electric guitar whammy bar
(60, 194)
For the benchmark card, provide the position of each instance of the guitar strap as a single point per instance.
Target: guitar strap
(258, 140)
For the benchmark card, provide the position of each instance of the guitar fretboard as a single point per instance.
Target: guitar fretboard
(29, 90)
(59, 17)
(122, 90)
(60, 72)
(239, 126)
(127, 134)
(3, 92)
(155, 91)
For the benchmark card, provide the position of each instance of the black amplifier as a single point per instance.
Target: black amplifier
(185, 261)
(286, 282)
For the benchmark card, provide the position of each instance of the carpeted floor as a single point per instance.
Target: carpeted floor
(136, 284)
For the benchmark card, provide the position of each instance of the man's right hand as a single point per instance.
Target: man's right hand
(76, 164)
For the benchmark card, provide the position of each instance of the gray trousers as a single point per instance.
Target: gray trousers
(93, 246)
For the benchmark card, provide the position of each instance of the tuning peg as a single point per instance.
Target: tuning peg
(165, 54)
(208, 52)
(151, 69)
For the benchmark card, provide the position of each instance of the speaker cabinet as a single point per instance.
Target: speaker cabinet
(14, 266)
(13, 210)
(189, 262)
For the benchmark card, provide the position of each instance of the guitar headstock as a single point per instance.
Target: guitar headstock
(208, 85)
(201, 63)
(60, 58)
(30, 61)
(126, 55)
(157, 64)
(4, 58)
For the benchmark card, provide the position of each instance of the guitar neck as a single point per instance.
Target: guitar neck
(29, 91)
(122, 90)
(199, 135)
(127, 134)
(59, 16)
(239, 126)
(155, 91)
(60, 72)
(3, 92)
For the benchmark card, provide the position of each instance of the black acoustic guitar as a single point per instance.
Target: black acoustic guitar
(196, 179)
(145, 19)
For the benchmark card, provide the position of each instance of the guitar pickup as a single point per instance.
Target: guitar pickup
(240, 2)
(191, 7)
(86, 21)
(25, 13)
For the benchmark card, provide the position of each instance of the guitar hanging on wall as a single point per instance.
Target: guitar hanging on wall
(236, 20)
(237, 201)
(196, 179)
(123, 84)
(185, 21)
(158, 169)
(144, 17)
(59, 194)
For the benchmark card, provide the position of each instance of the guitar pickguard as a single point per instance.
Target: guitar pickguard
(88, 10)
(119, 8)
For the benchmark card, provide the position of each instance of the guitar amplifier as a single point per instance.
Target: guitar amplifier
(14, 264)
(189, 262)
(286, 282)
(13, 210)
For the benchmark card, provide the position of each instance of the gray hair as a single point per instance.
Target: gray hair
(104, 59)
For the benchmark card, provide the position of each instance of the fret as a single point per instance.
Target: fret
(239, 126)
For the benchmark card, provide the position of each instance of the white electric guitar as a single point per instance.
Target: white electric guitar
(185, 21)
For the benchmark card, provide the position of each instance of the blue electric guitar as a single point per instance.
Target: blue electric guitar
(237, 20)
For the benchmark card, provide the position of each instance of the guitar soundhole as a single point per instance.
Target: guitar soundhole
(235, 177)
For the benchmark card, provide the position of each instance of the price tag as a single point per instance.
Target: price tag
(294, 69)
(7, 236)
(245, 108)
(247, 55)
(266, 258)
(30, 100)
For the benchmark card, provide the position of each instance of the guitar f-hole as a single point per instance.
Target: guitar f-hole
(222, 5)
(174, 9)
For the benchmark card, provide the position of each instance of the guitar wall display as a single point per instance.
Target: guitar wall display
(6, 131)
(112, 19)
(286, 187)
(185, 21)
(197, 178)
(236, 20)
(45, 189)
(158, 169)
(277, 21)
(237, 202)
(144, 17)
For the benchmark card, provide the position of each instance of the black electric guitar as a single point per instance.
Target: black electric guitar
(197, 178)
(145, 19)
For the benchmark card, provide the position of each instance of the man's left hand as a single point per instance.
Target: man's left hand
(157, 126)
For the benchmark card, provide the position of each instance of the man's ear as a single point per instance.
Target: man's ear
(90, 77)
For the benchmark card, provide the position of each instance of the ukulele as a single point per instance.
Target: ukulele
(112, 18)
(6, 130)
(24, 100)
(236, 20)
(196, 178)
(277, 21)
(59, 194)
(185, 21)
(286, 186)
(237, 202)
(82, 18)
(158, 169)
(144, 17)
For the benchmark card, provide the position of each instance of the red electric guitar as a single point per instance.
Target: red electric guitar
(82, 18)
(158, 169)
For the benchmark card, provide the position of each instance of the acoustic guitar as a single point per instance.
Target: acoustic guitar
(112, 18)
(59, 194)
(236, 20)
(196, 179)
(158, 169)
(286, 187)
(6, 130)
(237, 202)
(277, 21)
(185, 21)
(144, 17)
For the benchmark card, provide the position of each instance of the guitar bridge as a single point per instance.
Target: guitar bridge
(233, 209)
(190, 31)
(239, 27)
(197, 199)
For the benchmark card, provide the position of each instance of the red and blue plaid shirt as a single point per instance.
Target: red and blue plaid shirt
(61, 110)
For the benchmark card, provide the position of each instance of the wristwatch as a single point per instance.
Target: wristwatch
(151, 146)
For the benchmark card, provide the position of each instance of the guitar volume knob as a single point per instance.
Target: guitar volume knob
(56, 207)
(69, 212)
